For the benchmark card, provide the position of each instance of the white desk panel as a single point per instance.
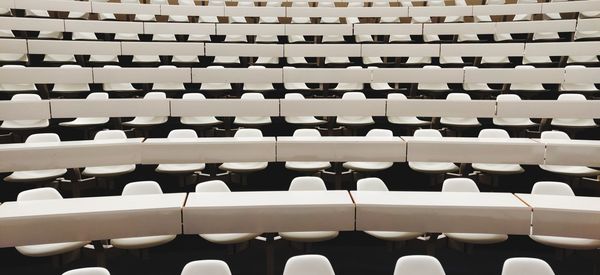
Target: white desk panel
(565, 216)
(251, 29)
(85, 219)
(13, 46)
(388, 29)
(318, 29)
(537, 75)
(347, 11)
(549, 109)
(440, 11)
(142, 75)
(73, 47)
(125, 8)
(103, 26)
(208, 150)
(19, 110)
(45, 75)
(116, 107)
(269, 211)
(8, 4)
(572, 152)
(178, 28)
(53, 5)
(236, 75)
(401, 50)
(255, 11)
(441, 107)
(244, 49)
(192, 10)
(562, 48)
(322, 50)
(507, 9)
(474, 150)
(162, 48)
(32, 24)
(456, 212)
(224, 107)
(582, 75)
(418, 75)
(69, 154)
(308, 75)
(341, 149)
(478, 49)
(332, 107)
(536, 26)
(588, 24)
(571, 6)
(462, 28)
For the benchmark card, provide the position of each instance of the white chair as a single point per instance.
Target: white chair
(117, 87)
(252, 121)
(182, 18)
(168, 86)
(198, 121)
(376, 184)
(88, 121)
(11, 88)
(301, 120)
(222, 238)
(147, 121)
(577, 86)
(88, 271)
(476, 87)
(215, 87)
(520, 266)
(573, 123)
(300, 184)
(180, 168)
(258, 87)
(560, 189)
(377, 86)
(350, 86)
(43, 250)
(433, 87)
(511, 121)
(431, 167)
(212, 267)
(418, 264)
(295, 86)
(111, 170)
(468, 185)
(38, 175)
(307, 166)
(371, 166)
(245, 167)
(70, 88)
(25, 124)
(354, 121)
(411, 121)
(571, 171)
(526, 87)
(308, 264)
(496, 168)
(270, 19)
(459, 122)
(385, 4)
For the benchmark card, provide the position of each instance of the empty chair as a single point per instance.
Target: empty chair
(379, 86)
(223, 238)
(295, 86)
(24, 124)
(198, 121)
(411, 121)
(376, 184)
(483, 88)
(511, 122)
(459, 122)
(180, 168)
(433, 87)
(350, 86)
(270, 19)
(147, 121)
(252, 121)
(111, 170)
(212, 267)
(418, 264)
(307, 166)
(117, 87)
(43, 250)
(468, 185)
(572, 171)
(431, 167)
(215, 87)
(496, 168)
(141, 188)
(300, 184)
(577, 86)
(168, 86)
(258, 87)
(301, 120)
(573, 123)
(354, 121)
(88, 271)
(88, 121)
(70, 88)
(38, 175)
(526, 87)
(245, 167)
(371, 166)
(520, 266)
(15, 88)
(308, 264)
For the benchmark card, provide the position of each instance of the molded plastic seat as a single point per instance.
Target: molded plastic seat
(437, 87)
(350, 86)
(295, 86)
(141, 188)
(245, 167)
(301, 120)
(117, 87)
(215, 86)
(25, 124)
(212, 267)
(258, 87)
(405, 120)
(354, 120)
(371, 166)
(308, 264)
(198, 120)
(526, 87)
(468, 185)
(497, 168)
(376, 184)
(307, 166)
(418, 264)
(16, 87)
(111, 170)
(180, 168)
(308, 184)
(573, 171)
(38, 175)
(472, 87)
(89, 121)
(520, 266)
(43, 250)
(511, 121)
(224, 238)
(252, 120)
(168, 86)
(459, 121)
(88, 271)
(70, 88)
(146, 121)
(577, 86)
(573, 122)
(431, 167)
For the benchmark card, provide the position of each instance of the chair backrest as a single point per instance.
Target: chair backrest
(193, 96)
(110, 134)
(88, 271)
(212, 186)
(520, 266)
(182, 133)
(252, 96)
(354, 95)
(493, 133)
(571, 97)
(141, 188)
(44, 193)
(307, 133)
(371, 184)
(554, 135)
(155, 95)
(459, 185)
(552, 188)
(207, 267)
(45, 137)
(248, 133)
(396, 96)
(508, 97)
(25, 97)
(380, 133)
(294, 96)
(458, 96)
(308, 264)
(418, 264)
(307, 184)
(427, 133)
(97, 95)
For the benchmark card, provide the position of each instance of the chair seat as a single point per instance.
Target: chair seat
(146, 58)
(243, 167)
(51, 249)
(307, 165)
(309, 236)
(178, 168)
(576, 171)
(229, 238)
(495, 60)
(399, 37)
(545, 36)
(108, 171)
(460, 121)
(362, 38)
(304, 120)
(141, 242)
(337, 60)
(296, 38)
(467, 38)
(104, 58)
(412, 121)
(370, 60)
(498, 168)
(227, 59)
(24, 124)
(394, 235)
(185, 59)
(267, 60)
(433, 167)
(63, 58)
(252, 120)
(354, 120)
(85, 121)
(146, 121)
(567, 242)
(203, 121)
(168, 86)
(35, 175)
(477, 238)
(536, 59)
(199, 37)
(367, 166)
(296, 60)
(573, 123)
(381, 87)
(513, 122)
